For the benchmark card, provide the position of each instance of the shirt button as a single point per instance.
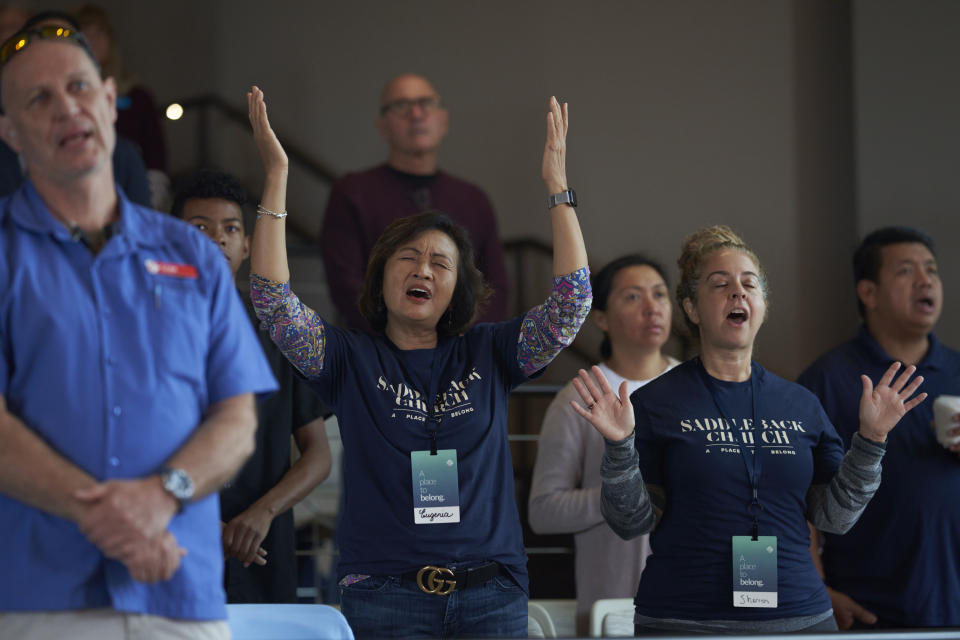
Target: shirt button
(117, 411)
(114, 461)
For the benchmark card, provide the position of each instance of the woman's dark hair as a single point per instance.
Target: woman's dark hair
(470, 294)
(602, 283)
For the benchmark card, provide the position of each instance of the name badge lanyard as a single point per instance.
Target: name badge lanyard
(440, 354)
(754, 507)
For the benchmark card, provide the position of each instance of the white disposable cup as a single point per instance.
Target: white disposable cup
(944, 408)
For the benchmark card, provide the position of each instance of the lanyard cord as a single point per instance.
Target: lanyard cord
(754, 507)
(437, 361)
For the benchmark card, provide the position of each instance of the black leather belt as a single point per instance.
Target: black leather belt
(441, 580)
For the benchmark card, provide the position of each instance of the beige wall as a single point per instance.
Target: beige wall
(683, 114)
(908, 130)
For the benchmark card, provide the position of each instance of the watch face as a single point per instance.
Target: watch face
(178, 483)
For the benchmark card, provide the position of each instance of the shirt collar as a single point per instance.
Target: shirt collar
(30, 212)
(935, 358)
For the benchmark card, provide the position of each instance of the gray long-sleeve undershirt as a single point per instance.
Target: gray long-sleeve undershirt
(834, 507)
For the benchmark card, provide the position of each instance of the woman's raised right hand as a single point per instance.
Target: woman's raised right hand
(610, 414)
(272, 155)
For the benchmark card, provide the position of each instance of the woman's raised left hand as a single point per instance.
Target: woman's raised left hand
(881, 407)
(555, 149)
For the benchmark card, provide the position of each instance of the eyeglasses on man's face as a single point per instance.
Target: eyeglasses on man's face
(404, 106)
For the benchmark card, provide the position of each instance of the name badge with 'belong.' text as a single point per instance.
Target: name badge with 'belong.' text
(436, 489)
(755, 571)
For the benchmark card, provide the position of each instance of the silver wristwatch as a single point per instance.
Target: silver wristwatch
(564, 197)
(178, 484)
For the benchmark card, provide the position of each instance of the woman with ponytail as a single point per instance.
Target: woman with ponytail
(728, 462)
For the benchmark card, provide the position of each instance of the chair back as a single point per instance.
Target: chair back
(611, 617)
(287, 622)
(538, 618)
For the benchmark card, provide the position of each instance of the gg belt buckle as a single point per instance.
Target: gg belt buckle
(428, 579)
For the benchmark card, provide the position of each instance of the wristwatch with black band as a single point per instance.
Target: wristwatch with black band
(564, 197)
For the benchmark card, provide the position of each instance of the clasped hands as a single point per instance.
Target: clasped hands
(127, 520)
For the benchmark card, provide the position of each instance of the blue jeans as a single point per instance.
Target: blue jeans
(389, 607)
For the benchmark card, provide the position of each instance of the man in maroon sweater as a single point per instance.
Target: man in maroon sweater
(413, 121)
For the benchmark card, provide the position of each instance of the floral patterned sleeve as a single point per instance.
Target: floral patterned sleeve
(294, 327)
(553, 325)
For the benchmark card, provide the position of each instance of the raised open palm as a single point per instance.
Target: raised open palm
(881, 407)
(271, 151)
(554, 166)
(609, 413)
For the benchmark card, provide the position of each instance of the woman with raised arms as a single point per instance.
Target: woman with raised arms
(429, 537)
(725, 462)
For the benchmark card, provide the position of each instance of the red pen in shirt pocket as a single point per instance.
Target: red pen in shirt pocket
(172, 269)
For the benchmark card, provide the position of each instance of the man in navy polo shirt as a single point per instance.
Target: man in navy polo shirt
(127, 379)
(900, 564)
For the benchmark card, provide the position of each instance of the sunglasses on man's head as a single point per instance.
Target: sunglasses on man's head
(19, 41)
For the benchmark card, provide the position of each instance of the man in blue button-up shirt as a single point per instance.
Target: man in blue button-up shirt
(127, 376)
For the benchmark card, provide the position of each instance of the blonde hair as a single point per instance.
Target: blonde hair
(699, 246)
